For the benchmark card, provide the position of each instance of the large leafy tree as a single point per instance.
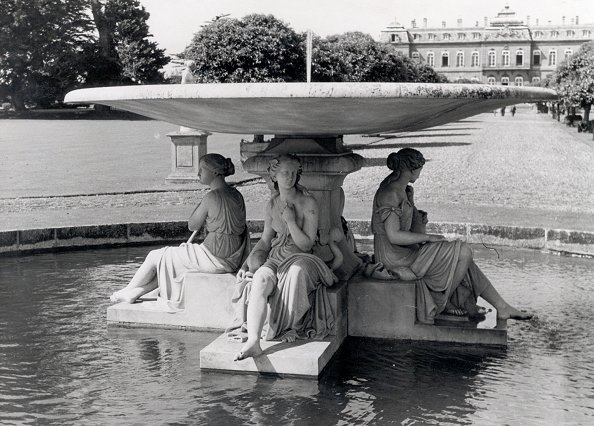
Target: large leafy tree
(255, 48)
(357, 57)
(124, 52)
(41, 49)
(574, 79)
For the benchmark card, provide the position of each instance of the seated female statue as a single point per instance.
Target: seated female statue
(448, 279)
(285, 275)
(222, 211)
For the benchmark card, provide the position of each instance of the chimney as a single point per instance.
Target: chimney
(486, 21)
(537, 22)
(563, 20)
(528, 20)
(476, 24)
(443, 24)
(424, 22)
(413, 23)
(459, 22)
(577, 20)
(572, 21)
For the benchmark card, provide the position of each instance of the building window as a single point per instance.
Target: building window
(536, 58)
(586, 33)
(492, 58)
(461, 36)
(537, 34)
(505, 58)
(475, 59)
(491, 80)
(447, 36)
(505, 81)
(519, 58)
(431, 36)
(445, 59)
(416, 36)
(535, 80)
(476, 36)
(553, 57)
(570, 33)
(431, 59)
(460, 59)
(416, 56)
(519, 81)
(568, 53)
(554, 34)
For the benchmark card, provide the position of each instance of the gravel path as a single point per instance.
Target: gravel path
(526, 162)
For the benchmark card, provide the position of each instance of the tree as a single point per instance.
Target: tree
(574, 80)
(124, 53)
(41, 46)
(355, 56)
(256, 48)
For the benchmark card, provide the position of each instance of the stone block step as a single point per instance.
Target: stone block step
(300, 358)
(386, 309)
(207, 306)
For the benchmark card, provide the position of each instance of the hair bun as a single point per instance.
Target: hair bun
(230, 168)
(393, 161)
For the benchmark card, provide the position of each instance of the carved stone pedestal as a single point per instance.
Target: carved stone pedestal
(187, 147)
(326, 162)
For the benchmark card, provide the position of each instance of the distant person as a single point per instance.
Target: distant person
(226, 246)
(513, 111)
(448, 280)
(502, 110)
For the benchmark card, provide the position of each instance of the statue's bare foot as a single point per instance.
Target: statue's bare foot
(289, 337)
(121, 296)
(513, 313)
(248, 351)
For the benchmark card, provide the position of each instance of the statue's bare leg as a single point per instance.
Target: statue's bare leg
(143, 281)
(504, 310)
(256, 315)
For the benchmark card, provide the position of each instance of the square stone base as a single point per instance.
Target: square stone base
(300, 358)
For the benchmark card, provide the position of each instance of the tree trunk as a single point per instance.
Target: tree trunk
(18, 101)
(105, 33)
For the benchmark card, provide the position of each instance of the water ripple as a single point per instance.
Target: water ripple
(61, 364)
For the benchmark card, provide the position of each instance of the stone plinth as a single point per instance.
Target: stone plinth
(386, 309)
(301, 358)
(207, 306)
(187, 147)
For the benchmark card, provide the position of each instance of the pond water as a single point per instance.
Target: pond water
(61, 364)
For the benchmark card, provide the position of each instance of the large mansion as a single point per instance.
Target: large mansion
(505, 50)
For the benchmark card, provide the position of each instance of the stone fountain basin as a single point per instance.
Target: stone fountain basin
(309, 108)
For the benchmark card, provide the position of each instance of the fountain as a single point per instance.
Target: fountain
(309, 120)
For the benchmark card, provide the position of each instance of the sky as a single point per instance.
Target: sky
(174, 22)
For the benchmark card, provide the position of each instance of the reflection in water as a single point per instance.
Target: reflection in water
(59, 363)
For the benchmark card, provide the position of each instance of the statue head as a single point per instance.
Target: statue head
(405, 159)
(288, 159)
(218, 164)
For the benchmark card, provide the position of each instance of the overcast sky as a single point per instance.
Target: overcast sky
(173, 22)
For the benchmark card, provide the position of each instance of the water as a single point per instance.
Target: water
(60, 364)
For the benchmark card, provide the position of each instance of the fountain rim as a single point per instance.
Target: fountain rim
(312, 91)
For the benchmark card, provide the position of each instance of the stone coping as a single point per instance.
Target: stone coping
(25, 241)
